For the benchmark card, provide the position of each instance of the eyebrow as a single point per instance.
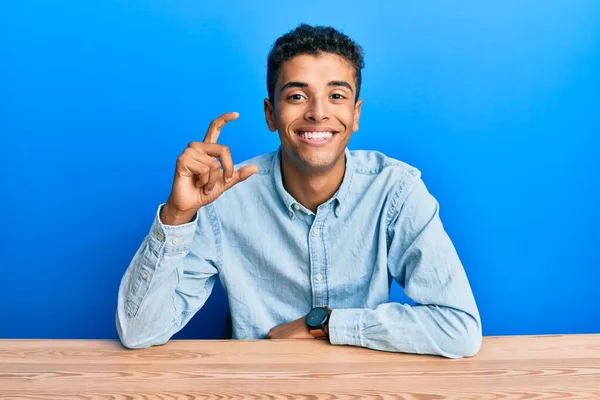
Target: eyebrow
(296, 84)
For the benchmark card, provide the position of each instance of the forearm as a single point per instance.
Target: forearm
(173, 218)
(146, 313)
(420, 329)
(162, 289)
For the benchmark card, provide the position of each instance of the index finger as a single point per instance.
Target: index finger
(214, 129)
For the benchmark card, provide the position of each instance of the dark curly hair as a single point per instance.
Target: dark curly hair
(307, 39)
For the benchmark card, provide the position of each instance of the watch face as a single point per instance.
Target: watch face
(317, 317)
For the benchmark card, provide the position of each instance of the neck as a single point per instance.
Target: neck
(311, 188)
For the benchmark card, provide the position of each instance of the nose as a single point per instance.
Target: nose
(316, 111)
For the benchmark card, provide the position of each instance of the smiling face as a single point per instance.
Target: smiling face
(314, 110)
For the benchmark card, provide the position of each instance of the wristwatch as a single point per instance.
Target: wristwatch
(317, 322)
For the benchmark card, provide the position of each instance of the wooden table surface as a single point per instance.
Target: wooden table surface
(515, 367)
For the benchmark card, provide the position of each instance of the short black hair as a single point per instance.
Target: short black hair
(314, 40)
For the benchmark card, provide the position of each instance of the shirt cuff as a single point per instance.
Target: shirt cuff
(171, 238)
(345, 326)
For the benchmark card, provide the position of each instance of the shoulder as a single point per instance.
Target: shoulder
(370, 162)
(399, 179)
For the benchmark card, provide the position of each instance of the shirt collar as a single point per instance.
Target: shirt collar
(339, 196)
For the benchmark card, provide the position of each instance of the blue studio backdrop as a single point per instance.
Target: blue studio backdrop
(495, 102)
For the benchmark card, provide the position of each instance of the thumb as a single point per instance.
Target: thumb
(242, 174)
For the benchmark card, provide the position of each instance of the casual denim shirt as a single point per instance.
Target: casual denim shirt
(277, 260)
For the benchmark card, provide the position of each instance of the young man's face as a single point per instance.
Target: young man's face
(314, 111)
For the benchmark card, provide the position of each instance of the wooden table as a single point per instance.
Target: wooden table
(517, 367)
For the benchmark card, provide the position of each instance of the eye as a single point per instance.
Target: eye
(338, 96)
(296, 96)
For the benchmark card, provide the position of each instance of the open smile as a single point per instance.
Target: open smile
(315, 137)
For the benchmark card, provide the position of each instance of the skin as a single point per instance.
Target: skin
(312, 93)
(292, 330)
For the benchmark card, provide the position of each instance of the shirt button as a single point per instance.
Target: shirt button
(175, 241)
(319, 277)
(160, 236)
(291, 214)
(297, 207)
(144, 276)
(316, 231)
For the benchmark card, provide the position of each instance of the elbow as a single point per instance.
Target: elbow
(127, 335)
(466, 339)
(131, 342)
(468, 345)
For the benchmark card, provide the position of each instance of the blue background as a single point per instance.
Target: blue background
(496, 102)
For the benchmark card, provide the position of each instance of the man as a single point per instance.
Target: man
(305, 240)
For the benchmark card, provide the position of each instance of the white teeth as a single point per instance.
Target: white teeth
(315, 135)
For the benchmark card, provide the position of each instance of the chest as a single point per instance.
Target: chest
(322, 259)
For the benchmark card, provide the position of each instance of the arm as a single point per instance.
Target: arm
(167, 281)
(173, 272)
(422, 259)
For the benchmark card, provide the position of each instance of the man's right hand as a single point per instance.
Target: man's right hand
(199, 179)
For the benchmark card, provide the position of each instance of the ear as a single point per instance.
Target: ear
(270, 115)
(357, 108)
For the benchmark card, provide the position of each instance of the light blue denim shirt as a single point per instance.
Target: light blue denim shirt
(276, 260)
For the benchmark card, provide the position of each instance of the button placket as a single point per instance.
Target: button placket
(321, 274)
(315, 240)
